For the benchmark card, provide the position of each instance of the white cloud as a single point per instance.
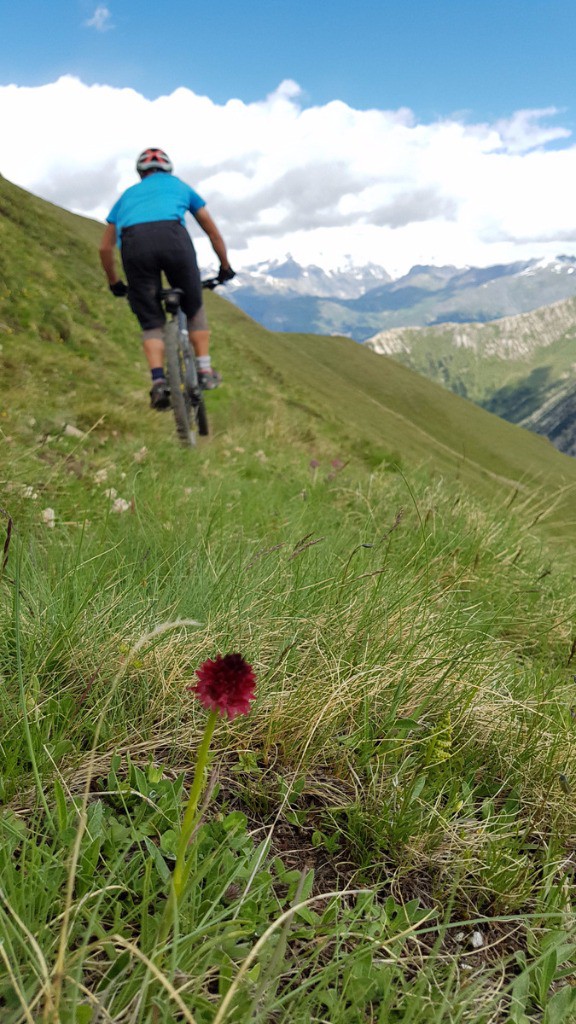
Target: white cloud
(322, 182)
(524, 130)
(101, 19)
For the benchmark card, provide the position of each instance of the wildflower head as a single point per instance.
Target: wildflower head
(226, 684)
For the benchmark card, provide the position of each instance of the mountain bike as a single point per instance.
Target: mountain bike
(186, 398)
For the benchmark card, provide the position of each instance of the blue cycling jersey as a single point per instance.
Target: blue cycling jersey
(159, 196)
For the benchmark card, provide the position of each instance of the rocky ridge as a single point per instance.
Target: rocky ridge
(513, 337)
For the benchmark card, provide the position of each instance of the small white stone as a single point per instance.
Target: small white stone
(100, 476)
(49, 517)
(71, 431)
(476, 940)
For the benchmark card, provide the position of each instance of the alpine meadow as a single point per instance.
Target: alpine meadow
(381, 827)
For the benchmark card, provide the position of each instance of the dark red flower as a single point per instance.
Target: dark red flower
(226, 684)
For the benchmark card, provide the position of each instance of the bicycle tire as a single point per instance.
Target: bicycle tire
(176, 376)
(202, 417)
(195, 395)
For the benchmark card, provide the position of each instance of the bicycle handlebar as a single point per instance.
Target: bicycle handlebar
(120, 289)
(214, 282)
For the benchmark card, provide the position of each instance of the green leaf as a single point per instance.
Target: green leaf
(406, 724)
(235, 821)
(565, 951)
(307, 915)
(119, 833)
(418, 787)
(544, 974)
(154, 774)
(89, 860)
(119, 964)
(225, 975)
(297, 818)
(59, 749)
(169, 842)
(562, 1006)
(13, 825)
(160, 864)
(95, 821)
(83, 1014)
(520, 996)
(61, 808)
(138, 779)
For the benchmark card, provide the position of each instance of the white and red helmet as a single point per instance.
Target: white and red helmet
(154, 160)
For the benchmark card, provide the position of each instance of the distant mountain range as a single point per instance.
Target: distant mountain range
(361, 301)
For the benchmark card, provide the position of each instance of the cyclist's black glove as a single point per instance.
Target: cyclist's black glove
(225, 275)
(119, 289)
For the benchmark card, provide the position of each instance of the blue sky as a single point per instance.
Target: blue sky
(486, 58)
(422, 131)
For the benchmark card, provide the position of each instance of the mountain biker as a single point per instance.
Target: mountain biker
(147, 224)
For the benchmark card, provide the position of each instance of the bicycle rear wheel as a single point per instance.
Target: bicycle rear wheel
(176, 376)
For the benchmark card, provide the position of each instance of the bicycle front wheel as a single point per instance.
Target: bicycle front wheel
(201, 416)
(195, 396)
(176, 376)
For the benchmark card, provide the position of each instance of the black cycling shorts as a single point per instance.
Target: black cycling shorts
(149, 249)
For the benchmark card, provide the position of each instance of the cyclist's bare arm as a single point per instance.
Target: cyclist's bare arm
(217, 242)
(108, 253)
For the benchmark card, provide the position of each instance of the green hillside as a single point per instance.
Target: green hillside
(519, 367)
(72, 356)
(389, 834)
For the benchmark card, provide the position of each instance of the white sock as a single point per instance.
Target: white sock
(204, 362)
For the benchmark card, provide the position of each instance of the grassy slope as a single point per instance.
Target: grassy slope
(413, 643)
(380, 412)
(366, 404)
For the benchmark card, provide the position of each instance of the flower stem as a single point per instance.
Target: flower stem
(192, 806)
(180, 873)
